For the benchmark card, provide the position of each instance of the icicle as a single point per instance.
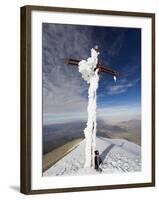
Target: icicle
(114, 78)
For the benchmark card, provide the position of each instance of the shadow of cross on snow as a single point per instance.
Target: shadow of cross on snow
(108, 149)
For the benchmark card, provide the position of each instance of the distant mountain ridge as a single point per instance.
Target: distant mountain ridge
(59, 134)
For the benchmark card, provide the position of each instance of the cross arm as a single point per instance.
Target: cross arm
(72, 61)
(107, 70)
(102, 68)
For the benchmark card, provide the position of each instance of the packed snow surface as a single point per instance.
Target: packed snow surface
(118, 156)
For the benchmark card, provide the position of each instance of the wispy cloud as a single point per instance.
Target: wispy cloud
(63, 87)
(122, 87)
(117, 44)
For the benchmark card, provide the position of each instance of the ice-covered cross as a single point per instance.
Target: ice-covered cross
(90, 70)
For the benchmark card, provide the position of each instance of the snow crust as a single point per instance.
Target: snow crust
(118, 156)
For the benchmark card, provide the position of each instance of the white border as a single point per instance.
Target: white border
(39, 182)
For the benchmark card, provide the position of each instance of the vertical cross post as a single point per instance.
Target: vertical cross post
(90, 70)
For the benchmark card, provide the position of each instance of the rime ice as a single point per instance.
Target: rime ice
(114, 78)
(90, 75)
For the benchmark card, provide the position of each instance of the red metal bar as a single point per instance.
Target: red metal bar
(72, 61)
(99, 66)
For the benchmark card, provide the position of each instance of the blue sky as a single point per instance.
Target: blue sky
(65, 92)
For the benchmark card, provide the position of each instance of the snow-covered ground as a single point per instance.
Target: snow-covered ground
(118, 156)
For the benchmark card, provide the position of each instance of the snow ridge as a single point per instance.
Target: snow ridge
(118, 156)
